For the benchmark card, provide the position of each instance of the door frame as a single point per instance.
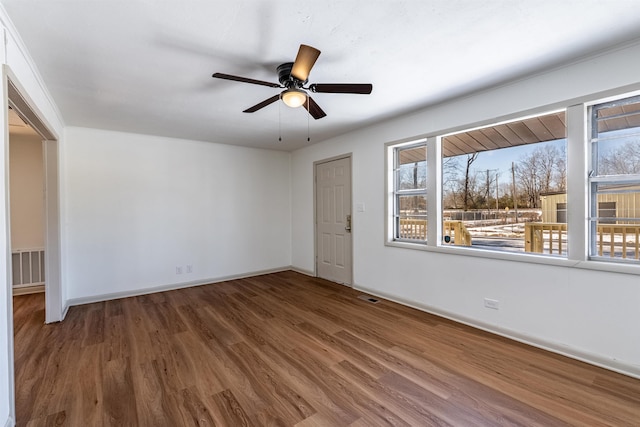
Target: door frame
(17, 97)
(348, 156)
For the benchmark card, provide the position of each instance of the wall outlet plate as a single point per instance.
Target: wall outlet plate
(492, 303)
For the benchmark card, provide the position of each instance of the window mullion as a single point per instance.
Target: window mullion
(434, 191)
(578, 160)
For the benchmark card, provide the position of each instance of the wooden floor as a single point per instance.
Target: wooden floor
(286, 349)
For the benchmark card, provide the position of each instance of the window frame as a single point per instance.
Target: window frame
(578, 190)
(595, 179)
(513, 119)
(397, 193)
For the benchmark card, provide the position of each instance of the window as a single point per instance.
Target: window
(502, 189)
(614, 222)
(410, 192)
(561, 212)
(504, 186)
(607, 212)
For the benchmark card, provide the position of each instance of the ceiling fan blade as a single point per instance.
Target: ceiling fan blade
(313, 108)
(244, 80)
(359, 88)
(307, 56)
(263, 104)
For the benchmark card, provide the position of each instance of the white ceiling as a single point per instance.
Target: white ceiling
(145, 66)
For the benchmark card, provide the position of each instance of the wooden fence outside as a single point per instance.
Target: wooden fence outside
(549, 237)
(417, 229)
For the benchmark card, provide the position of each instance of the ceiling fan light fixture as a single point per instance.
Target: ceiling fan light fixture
(294, 98)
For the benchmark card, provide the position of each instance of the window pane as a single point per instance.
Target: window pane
(412, 155)
(412, 206)
(616, 131)
(412, 176)
(410, 202)
(504, 186)
(616, 228)
(615, 182)
(412, 217)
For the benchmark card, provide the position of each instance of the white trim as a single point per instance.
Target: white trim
(302, 271)
(15, 35)
(10, 422)
(162, 288)
(51, 161)
(573, 353)
(28, 289)
(52, 252)
(613, 267)
(4, 84)
(491, 254)
(434, 197)
(578, 159)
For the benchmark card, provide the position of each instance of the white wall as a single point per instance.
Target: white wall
(19, 65)
(588, 314)
(139, 206)
(26, 180)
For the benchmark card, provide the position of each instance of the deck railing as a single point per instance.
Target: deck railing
(539, 236)
(413, 229)
(457, 232)
(417, 229)
(546, 237)
(625, 231)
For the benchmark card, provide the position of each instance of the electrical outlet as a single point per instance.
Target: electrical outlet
(492, 303)
(178, 270)
(189, 268)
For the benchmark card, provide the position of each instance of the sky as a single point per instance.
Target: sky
(501, 159)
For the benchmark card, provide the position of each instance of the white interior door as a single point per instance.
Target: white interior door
(333, 220)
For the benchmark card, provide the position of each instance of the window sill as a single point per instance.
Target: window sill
(521, 257)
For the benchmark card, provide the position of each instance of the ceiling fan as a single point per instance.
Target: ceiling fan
(292, 77)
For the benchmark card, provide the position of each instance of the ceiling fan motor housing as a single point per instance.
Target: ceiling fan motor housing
(294, 93)
(286, 79)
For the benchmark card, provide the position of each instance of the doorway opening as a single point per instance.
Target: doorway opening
(26, 200)
(35, 263)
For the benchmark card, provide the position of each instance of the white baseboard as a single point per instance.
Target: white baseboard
(162, 288)
(10, 422)
(26, 290)
(302, 271)
(573, 353)
(65, 310)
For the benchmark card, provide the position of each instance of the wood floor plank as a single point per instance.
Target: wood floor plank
(195, 409)
(345, 349)
(285, 400)
(331, 407)
(287, 349)
(375, 412)
(387, 396)
(230, 411)
(85, 405)
(157, 405)
(118, 393)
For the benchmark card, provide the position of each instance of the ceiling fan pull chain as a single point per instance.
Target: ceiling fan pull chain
(308, 133)
(279, 122)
